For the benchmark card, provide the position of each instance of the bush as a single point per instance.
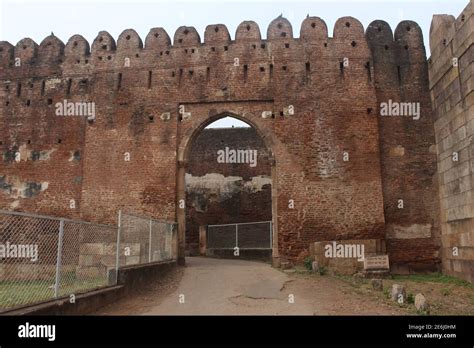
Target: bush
(322, 270)
(308, 263)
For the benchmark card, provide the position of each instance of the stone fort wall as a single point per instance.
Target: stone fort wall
(451, 84)
(344, 167)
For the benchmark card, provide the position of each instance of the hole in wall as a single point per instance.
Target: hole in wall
(216, 29)
(353, 44)
(348, 24)
(128, 37)
(279, 25)
(408, 28)
(248, 27)
(283, 34)
(313, 25)
(156, 35)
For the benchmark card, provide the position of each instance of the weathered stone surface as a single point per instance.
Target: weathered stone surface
(398, 293)
(315, 266)
(380, 262)
(420, 303)
(450, 73)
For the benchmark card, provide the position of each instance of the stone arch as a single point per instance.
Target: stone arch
(183, 152)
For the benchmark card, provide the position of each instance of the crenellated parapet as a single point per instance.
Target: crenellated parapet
(102, 54)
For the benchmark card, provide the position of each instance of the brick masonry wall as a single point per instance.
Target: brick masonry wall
(408, 153)
(222, 193)
(451, 87)
(128, 154)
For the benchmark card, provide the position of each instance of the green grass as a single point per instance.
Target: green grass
(435, 278)
(18, 293)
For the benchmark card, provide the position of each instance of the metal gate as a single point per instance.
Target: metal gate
(245, 236)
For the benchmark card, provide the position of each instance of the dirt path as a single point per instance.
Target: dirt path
(235, 287)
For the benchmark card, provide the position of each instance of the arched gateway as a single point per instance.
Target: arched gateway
(183, 159)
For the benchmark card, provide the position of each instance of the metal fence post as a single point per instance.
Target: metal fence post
(117, 252)
(271, 234)
(149, 242)
(58, 258)
(237, 235)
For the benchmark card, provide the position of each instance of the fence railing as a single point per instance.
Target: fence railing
(249, 235)
(42, 257)
(144, 240)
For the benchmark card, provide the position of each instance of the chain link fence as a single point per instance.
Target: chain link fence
(250, 235)
(42, 258)
(144, 240)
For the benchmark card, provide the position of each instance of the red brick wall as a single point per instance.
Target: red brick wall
(335, 111)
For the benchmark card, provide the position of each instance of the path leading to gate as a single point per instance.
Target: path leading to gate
(238, 287)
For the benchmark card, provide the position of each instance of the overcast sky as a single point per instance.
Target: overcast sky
(37, 19)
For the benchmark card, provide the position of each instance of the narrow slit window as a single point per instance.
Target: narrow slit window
(369, 74)
(150, 76)
(119, 81)
(69, 83)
